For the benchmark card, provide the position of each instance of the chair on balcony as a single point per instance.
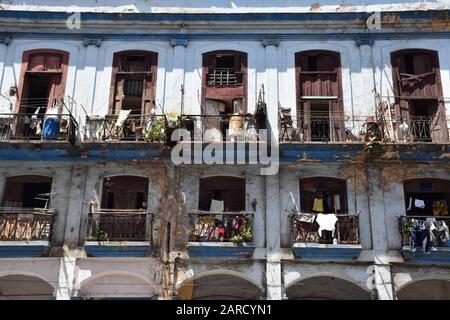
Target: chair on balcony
(286, 124)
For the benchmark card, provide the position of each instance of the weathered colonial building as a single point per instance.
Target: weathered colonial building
(347, 197)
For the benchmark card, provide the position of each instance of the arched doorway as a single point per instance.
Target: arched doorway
(219, 286)
(326, 288)
(430, 289)
(24, 287)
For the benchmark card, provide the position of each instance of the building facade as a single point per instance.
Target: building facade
(333, 181)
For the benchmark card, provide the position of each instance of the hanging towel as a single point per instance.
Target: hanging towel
(337, 202)
(216, 206)
(123, 115)
(326, 222)
(419, 204)
(318, 205)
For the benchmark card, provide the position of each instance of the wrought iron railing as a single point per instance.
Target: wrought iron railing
(337, 127)
(206, 226)
(223, 77)
(118, 225)
(306, 229)
(422, 229)
(26, 224)
(207, 128)
(43, 127)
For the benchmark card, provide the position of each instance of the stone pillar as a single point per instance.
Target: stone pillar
(174, 98)
(273, 249)
(75, 206)
(367, 101)
(383, 278)
(64, 290)
(86, 81)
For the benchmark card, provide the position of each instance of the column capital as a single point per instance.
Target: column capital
(275, 42)
(92, 42)
(176, 42)
(5, 40)
(364, 40)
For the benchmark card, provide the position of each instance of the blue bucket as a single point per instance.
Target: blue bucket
(51, 128)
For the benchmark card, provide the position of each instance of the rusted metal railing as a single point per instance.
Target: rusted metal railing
(26, 224)
(208, 226)
(306, 230)
(41, 127)
(118, 225)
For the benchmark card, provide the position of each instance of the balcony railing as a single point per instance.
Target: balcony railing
(424, 232)
(223, 77)
(26, 224)
(338, 127)
(209, 128)
(208, 226)
(306, 229)
(40, 127)
(117, 225)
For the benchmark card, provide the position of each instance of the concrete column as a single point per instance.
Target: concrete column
(4, 42)
(86, 81)
(75, 206)
(366, 101)
(176, 82)
(66, 278)
(273, 249)
(383, 279)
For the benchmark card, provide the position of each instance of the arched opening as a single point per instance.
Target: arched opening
(326, 288)
(221, 212)
(319, 95)
(42, 81)
(224, 93)
(425, 225)
(419, 106)
(219, 287)
(324, 216)
(123, 213)
(26, 212)
(117, 286)
(24, 287)
(133, 82)
(431, 289)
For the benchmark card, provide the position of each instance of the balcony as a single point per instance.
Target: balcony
(340, 128)
(314, 240)
(223, 77)
(25, 232)
(220, 234)
(425, 238)
(119, 232)
(38, 127)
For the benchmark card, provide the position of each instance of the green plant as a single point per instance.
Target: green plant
(157, 130)
(102, 236)
(244, 234)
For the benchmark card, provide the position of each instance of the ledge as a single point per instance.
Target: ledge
(439, 255)
(219, 250)
(24, 249)
(316, 251)
(117, 248)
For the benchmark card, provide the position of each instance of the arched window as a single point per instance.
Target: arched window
(224, 83)
(323, 195)
(427, 197)
(28, 191)
(133, 81)
(319, 95)
(418, 94)
(42, 81)
(125, 192)
(229, 190)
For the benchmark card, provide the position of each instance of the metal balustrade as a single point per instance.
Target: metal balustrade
(26, 224)
(223, 77)
(206, 226)
(305, 229)
(118, 225)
